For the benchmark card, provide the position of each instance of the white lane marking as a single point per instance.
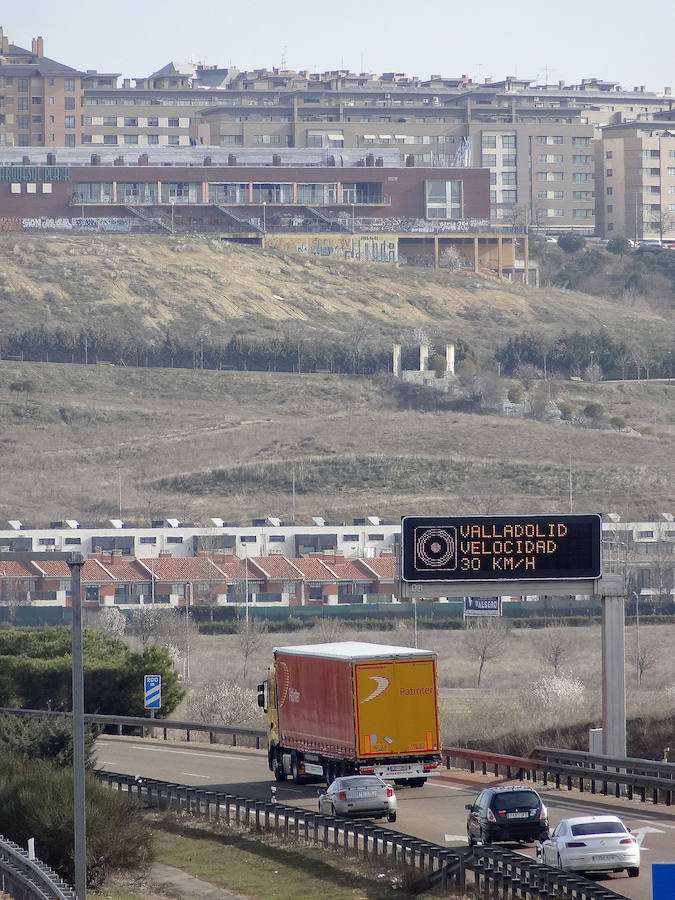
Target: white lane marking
(193, 775)
(641, 833)
(456, 837)
(223, 757)
(662, 824)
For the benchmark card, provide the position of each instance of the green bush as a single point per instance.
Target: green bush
(36, 800)
(570, 243)
(36, 672)
(48, 738)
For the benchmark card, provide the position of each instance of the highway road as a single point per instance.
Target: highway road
(435, 812)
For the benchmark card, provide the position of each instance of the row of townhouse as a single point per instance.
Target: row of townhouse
(206, 580)
(281, 563)
(542, 143)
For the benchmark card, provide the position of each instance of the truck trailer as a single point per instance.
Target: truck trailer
(348, 708)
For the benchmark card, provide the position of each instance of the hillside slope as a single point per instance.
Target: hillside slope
(195, 444)
(151, 285)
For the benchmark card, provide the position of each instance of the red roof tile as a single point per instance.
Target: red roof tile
(349, 570)
(181, 568)
(315, 569)
(385, 567)
(277, 566)
(11, 568)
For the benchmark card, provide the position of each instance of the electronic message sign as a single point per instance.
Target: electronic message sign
(500, 548)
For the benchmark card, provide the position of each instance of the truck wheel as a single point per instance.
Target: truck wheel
(295, 773)
(277, 768)
(416, 782)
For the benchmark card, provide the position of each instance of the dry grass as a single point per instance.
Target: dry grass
(504, 704)
(354, 451)
(144, 284)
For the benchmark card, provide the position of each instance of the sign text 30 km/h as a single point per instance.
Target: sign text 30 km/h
(500, 548)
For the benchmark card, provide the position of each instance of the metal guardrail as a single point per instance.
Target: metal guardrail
(29, 879)
(257, 736)
(633, 765)
(489, 869)
(584, 778)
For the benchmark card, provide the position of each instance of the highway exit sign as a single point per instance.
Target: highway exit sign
(500, 548)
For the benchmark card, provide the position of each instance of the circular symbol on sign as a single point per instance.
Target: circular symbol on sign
(435, 548)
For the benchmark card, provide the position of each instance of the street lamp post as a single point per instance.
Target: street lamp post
(264, 217)
(172, 201)
(637, 637)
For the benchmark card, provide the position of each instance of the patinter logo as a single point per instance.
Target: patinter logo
(382, 684)
(415, 691)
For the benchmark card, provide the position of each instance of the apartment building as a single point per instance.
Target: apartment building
(536, 139)
(40, 99)
(635, 177)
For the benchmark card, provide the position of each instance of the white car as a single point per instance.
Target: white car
(591, 844)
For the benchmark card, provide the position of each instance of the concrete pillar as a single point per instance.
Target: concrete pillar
(613, 677)
(424, 357)
(396, 360)
(500, 264)
(436, 261)
(526, 258)
(450, 359)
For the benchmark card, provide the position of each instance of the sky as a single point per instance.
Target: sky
(616, 40)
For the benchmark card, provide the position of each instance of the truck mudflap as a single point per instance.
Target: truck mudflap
(402, 770)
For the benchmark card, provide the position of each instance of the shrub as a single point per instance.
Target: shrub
(570, 243)
(516, 393)
(36, 800)
(24, 385)
(567, 408)
(557, 691)
(594, 411)
(619, 245)
(439, 365)
(49, 738)
(618, 422)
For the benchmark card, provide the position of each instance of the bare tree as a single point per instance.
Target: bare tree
(13, 594)
(111, 621)
(554, 646)
(485, 641)
(223, 703)
(646, 658)
(329, 628)
(144, 623)
(250, 632)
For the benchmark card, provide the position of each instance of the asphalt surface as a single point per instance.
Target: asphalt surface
(435, 812)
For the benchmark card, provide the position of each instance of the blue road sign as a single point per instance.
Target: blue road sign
(153, 691)
(663, 881)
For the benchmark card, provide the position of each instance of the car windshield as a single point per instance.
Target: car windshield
(362, 783)
(598, 828)
(515, 800)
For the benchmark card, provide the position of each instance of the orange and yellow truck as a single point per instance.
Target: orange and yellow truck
(352, 708)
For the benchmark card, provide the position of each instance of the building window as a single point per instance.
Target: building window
(508, 196)
(276, 538)
(69, 121)
(92, 192)
(153, 139)
(493, 196)
(130, 138)
(69, 85)
(85, 120)
(610, 226)
(147, 540)
(36, 101)
(69, 140)
(153, 122)
(579, 160)
(110, 121)
(509, 178)
(73, 540)
(375, 537)
(22, 122)
(109, 138)
(489, 141)
(47, 542)
(248, 539)
(581, 142)
(444, 199)
(174, 539)
(550, 158)
(582, 177)
(350, 538)
(582, 195)
(488, 160)
(235, 140)
(671, 170)
(174, 140)
(582, 213)
(87, 139)
(22, 85)
(508, 141)
(130, 122)
(610, 208)
(173, 123)
(509, 159)
(22, 103)
(69, 103)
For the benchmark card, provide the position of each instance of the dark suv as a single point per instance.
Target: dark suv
(506, 814)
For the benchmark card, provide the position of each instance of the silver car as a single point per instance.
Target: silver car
(362, 796)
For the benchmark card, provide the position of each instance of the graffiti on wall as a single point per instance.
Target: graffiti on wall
(103, 225)
(8, 223)
(362, 247)
(62, 223)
